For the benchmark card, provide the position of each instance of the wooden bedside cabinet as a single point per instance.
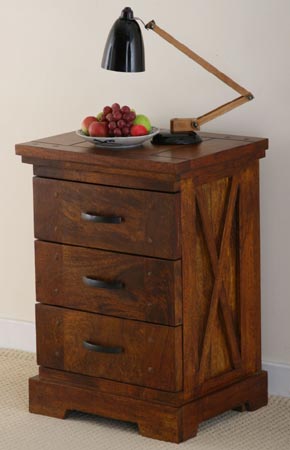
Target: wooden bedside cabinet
(147, 281)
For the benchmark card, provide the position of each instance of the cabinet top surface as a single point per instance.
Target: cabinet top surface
(175, 159)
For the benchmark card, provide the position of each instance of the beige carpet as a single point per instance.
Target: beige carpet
(266, 429)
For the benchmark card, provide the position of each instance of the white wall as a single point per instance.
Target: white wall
(50, 78)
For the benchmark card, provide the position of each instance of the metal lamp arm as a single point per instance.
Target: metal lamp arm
(193, 124)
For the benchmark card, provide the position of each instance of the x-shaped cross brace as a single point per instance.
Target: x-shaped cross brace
(219, 265)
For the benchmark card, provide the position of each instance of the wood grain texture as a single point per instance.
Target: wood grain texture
(110, 177)
(58, 399)
(188, 334)
(212, 245)
(226, 310)
(219, 274)
(173, 160)
(190, 309)
(108, 386)
(180, 125)
(198, 59)
(151, 287)
(161, 422)
(251, 391)
(146, 348)
(154, 181)
(249, 262)
(150, 222)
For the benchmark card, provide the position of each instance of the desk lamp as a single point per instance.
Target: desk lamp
(124, 52)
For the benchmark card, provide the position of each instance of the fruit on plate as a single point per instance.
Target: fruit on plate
(138, 130)
(141, 119)
(86, 123)
(119, 119)
(98, 129)
(116, 121)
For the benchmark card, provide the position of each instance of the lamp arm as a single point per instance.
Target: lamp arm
(179, 125)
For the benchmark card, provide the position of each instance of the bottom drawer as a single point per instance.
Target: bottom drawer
(118, 349)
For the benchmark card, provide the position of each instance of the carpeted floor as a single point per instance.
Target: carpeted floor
(266, 429)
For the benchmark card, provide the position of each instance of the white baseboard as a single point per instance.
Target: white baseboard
(21, 336)
(278, 378)
(17, 334)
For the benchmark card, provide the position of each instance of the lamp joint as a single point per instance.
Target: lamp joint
(150, 25)
(194, 124)
(250, 97)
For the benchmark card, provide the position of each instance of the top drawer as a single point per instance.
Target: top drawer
(110, 218)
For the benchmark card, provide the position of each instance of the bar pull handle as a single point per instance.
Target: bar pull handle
(101, 348)
(91, 217)
(101, 284)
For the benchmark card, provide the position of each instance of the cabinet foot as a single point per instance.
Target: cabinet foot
(256, 403)
(258, 397)
(37, 405)
(170, 430)
(49, 411)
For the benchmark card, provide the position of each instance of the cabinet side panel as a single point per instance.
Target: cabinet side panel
(221, 280)
(211, 305)
(249, 255)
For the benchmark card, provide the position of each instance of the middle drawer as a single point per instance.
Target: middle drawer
(134, 287)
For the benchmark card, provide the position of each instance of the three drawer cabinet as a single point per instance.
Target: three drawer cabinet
(147, 265)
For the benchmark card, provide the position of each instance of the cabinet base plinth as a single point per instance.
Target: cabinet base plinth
(155, 420)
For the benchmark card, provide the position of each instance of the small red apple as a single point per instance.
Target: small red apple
(86, 123)
(138, 130)
(98, 129)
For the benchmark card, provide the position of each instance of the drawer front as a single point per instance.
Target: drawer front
(110, 218)
(120, 285)
(107, 347)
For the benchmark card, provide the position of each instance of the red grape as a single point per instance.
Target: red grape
(126, 116)
(107, 110)
(132, 115)
(111, 133)
(125, 131)
(117, 115)
(125, 109)
(117, 132)
(121, 123)
(112, 125)
(109, 117)
(115, 106)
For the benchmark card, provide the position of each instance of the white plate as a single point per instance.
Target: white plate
(119, 142)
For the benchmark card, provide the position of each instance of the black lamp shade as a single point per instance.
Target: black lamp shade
(124, 50)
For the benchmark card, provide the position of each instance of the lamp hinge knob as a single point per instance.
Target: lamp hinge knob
(150, 25)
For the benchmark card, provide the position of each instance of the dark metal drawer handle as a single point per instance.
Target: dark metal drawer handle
(93, 282)
(91, 217)
(101, 348)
